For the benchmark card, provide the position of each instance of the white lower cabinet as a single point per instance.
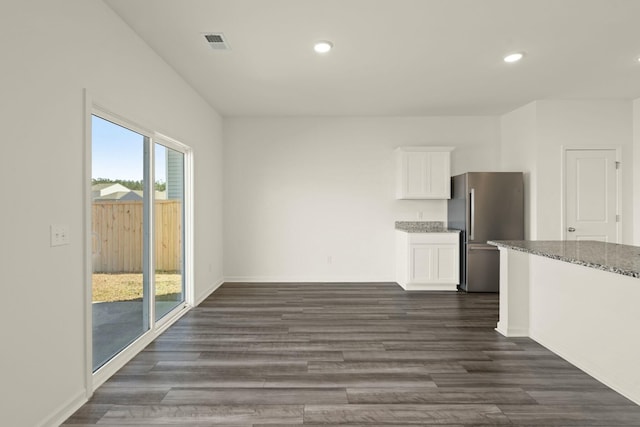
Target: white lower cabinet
(427, 261)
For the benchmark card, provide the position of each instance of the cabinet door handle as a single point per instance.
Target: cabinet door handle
(571, 229)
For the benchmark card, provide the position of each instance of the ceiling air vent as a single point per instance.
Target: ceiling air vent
(217, 41)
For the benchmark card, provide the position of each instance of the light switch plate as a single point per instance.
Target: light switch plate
(59, 234)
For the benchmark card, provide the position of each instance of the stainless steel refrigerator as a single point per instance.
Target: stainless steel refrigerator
(485, 206)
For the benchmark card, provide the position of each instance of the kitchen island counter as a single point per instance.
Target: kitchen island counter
(611, 257)
(580, 300)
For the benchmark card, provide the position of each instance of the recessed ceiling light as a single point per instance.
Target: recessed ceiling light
(514, 57)
(323, 46)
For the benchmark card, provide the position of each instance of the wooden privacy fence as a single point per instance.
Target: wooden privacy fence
(117, 236)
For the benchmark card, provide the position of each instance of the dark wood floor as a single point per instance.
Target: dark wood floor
(349, 354)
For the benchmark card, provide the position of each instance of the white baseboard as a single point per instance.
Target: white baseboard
(66, 410)
(430, 287)
(512, 332)
(628, 390)
(307, 279)
(208, 292)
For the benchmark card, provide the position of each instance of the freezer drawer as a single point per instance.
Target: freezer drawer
(483, 268)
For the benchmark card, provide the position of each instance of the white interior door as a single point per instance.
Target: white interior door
(591, 195)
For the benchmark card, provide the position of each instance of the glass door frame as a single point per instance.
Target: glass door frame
(187, 231)
(94, 379)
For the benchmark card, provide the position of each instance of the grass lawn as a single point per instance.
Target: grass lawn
(128, 287)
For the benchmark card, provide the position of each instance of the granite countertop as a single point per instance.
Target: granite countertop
(612, 257)
(423, 227)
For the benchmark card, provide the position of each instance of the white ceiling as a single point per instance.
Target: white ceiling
(394, 57)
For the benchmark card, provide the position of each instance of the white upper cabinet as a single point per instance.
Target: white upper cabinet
(423, 172)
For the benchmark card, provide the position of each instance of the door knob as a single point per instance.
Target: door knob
(571, 229)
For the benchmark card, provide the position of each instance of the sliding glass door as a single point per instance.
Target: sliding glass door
(138, 238)
(119, 289)
(169, 241)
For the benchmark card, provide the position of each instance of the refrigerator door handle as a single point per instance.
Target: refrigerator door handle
(472, 203)
(482, 248)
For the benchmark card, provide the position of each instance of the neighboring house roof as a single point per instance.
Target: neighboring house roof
(98, 190)
(113, 191)
(121, 196)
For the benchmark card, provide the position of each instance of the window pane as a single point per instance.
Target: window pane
(169, 220)
(119, 312)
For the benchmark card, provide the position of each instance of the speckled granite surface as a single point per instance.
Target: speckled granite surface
(612, 257)
(423, 227)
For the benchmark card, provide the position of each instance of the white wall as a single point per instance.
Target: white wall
(518, 153)
(636, 172)
(51, 51)
(301, 190)
(584, 124)
(533, 138)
